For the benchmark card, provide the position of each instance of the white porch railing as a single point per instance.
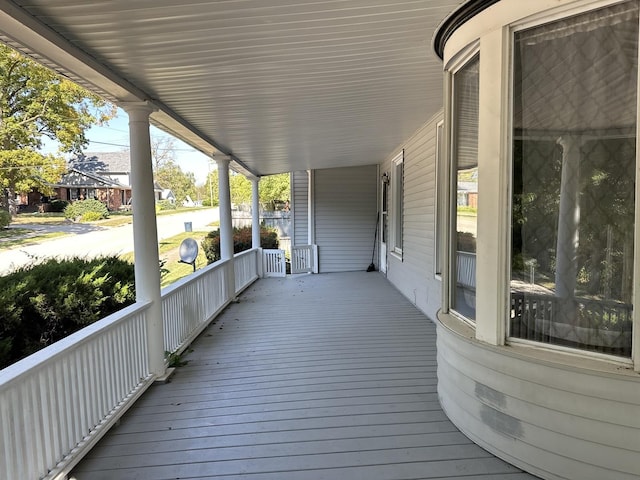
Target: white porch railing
(304, 258)
(246, 268)
(466, 268)
(274, 263)
(57, 403)
(63, 398)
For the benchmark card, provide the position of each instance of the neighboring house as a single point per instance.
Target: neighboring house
(188, 202)
(114, 165)
(468, 194)
(82, 185)
(167, 194)
(161, 193)
(104, 176)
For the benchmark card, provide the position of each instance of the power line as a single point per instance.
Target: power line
(190, 150)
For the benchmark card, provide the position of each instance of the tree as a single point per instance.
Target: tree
(162, 151)
(241, 188)
(272, 188)
(36, 103)
(209, 190)
(170, 175)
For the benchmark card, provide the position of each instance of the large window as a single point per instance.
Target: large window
(573, 180)
(465, 188)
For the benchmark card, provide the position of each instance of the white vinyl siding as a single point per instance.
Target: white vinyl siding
(413, 275)
(300, 207)
(345, 217)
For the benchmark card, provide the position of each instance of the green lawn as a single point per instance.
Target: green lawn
(39, 218)
(169, 251)
(14, 237)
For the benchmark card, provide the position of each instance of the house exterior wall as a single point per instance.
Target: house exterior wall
(559, 412)
(345, 217)
(413, 273)
(123, 178)
(300, 207)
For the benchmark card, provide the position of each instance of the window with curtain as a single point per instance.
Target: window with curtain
(573, 184)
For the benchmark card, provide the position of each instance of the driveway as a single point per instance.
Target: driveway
(93, 242)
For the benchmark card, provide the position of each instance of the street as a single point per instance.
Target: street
(102, 241)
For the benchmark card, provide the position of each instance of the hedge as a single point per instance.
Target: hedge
(242, 240)
(44, 303)
(80, 208)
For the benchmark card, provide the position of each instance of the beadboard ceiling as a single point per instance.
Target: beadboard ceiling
(279, 85)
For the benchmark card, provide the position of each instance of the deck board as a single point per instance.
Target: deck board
(307, 377)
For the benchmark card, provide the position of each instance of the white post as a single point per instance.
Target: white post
(226, 227)
(145, 231)
(311, 234)
(568, 218)
(255, 221)
(255, 212)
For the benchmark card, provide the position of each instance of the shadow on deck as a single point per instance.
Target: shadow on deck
(309, 377)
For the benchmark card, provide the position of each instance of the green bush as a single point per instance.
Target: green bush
(5, 219)
(91, 217)
(165, 205)
(466, 242)
(77, 209)
(58, 206)
(44, 303)
(242, 241)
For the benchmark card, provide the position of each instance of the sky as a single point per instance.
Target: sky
(114, 137)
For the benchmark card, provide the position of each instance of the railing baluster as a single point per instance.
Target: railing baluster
(52, 400)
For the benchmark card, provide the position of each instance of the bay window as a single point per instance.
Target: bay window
(465, 192)
(573, 180)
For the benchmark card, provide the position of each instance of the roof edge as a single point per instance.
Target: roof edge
(455, 20)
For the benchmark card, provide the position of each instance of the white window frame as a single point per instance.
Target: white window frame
(440, 212)
(450, 204)
(397, 204)
(529, 22)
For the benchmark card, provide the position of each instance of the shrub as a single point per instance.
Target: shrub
(241, 241)
(58, 206)
(5, 219)
(77, 209)
(165, 205)
(44, 303)
(466, 242)
(91, 216)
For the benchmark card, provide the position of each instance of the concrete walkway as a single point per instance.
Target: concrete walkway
(91, 241)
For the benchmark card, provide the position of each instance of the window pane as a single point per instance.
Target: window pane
(574, 161)
(398, 199)
(465, 163)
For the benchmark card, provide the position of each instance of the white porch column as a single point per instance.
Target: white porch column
(226, 228)
(255, 212)
(311, 226)
(568, 218)
(145, 231)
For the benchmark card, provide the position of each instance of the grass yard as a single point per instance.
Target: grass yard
(18, 237)
(169, 251)
(39, 218)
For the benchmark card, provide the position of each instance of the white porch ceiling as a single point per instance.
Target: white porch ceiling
(280, 85)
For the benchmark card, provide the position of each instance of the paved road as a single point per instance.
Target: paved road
(91, 242)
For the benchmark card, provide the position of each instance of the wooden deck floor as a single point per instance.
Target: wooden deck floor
(308, 377)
